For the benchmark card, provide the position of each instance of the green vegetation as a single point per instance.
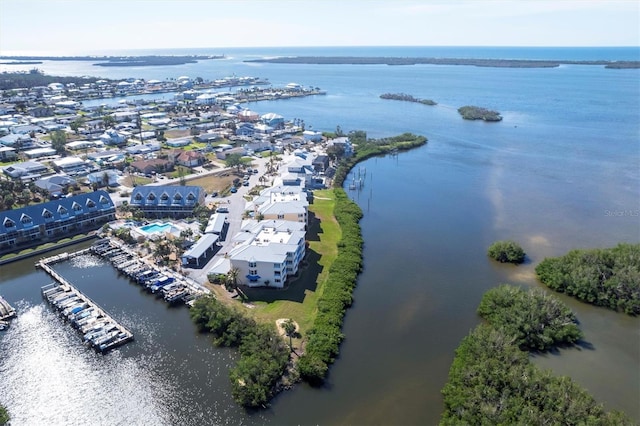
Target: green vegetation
(263, 354)
(538, 321)
(367, 148)
(492, 382)
(58, 141)
(325, 335)
(4, 416)
(470, 112)
(35, 77)
(506, 251)
(407, 98)
(603, 277)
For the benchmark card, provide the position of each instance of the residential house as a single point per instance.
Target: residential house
(70, 165)
(176, 143)
(320, 163)
(273, 120)
(167, 201)
(40, 152)
(53, 220)
(17, 140)
(25, 170)
(103, 178)
(7, 153)
(157, 165)
(190, 158)
(112, 137)
(55, 184)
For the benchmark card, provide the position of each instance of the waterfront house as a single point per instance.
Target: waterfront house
(320, 163)
(50, 221)
(294, 211)
(167, 201)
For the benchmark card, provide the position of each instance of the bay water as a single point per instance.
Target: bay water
(561, 171)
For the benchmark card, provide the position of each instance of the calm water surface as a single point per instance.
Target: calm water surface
(552, 175)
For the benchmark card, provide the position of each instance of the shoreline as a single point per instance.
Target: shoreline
(494, 63)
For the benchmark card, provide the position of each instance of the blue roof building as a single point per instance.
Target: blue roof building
(31, 225)
(167, 201)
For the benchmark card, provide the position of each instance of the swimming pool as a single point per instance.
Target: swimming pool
(156, 228)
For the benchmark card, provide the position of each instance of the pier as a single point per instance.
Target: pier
(96, 326)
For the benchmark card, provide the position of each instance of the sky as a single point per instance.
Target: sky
(57, 27)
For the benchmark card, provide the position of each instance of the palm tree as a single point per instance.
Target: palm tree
(232, 278)
(289, 328)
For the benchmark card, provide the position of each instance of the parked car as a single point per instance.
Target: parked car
(233, 190)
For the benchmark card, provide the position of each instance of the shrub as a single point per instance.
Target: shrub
(506, 251)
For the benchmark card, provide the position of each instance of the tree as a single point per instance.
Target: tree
(58, 141)
(234, 160)
(105, 178)
(290, 329)
(4, 416)
(232, 278)
(76, 124)
(506, 251)
(108, 121)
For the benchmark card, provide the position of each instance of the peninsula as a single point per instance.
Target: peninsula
(498, 63)
(115, 61)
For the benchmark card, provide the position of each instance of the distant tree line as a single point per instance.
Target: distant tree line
(603, 277)
(492, 381)
(263, 354)
(35, 78)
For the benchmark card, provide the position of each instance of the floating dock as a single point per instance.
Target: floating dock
(172, 287)
(97, 327)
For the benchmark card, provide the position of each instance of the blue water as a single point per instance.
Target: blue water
(561, 171)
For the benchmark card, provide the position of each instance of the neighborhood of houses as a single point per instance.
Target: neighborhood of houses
(257, 229)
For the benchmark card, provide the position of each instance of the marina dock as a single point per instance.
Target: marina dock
(96, 326)
(6, 313)
(171, 286)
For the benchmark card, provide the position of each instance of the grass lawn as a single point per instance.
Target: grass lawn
(299, 300)
(211, 183)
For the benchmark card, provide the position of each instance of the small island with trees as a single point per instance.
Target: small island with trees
(470, 112)
(492, 380)
(407, 98)
(506, 252)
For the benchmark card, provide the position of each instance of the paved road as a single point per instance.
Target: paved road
(236, 204)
